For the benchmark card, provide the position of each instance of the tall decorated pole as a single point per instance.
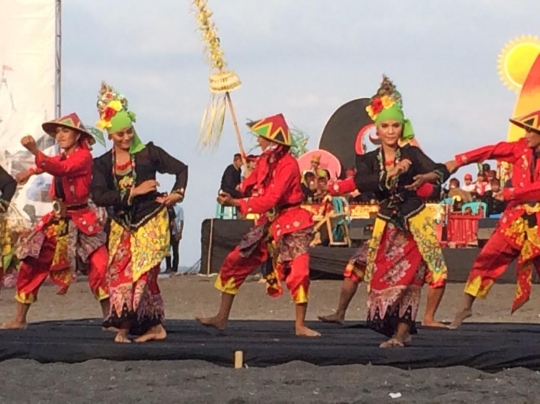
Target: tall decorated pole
(222, 83)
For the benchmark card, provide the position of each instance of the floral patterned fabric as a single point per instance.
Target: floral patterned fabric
(397, 276)
(68, 243)
(134, 260)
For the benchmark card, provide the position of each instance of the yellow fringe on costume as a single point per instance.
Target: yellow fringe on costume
(422, 228)
(150, 243)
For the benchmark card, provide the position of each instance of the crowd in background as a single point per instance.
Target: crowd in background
(315, 186)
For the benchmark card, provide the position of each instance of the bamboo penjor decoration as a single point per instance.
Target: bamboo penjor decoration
(222, 83)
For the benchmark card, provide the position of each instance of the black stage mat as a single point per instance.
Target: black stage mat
(488, 347)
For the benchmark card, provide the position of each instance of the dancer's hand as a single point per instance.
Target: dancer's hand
(226, 199)
(169, 200)
(144, 188)
(498, 196)
(452, 166)
(23, 177)
(420, 180)
(400, 168)
(29, 144)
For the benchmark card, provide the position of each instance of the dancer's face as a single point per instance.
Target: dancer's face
(533, 138)
(390, 132)
(123, 137)
(263, 143)
(66, 138)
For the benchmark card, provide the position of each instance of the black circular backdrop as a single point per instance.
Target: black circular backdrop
(339, 134)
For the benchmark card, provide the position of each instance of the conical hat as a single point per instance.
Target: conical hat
(71, 121)
(529, 121)
(273, 128)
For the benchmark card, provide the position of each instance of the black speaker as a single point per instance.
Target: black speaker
(486, 227)
(361, 229)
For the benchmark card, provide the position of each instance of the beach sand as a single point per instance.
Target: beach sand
(26, 381)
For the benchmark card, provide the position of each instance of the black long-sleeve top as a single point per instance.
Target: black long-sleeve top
(230, 180)
(396, 204)
(148, 162)
(8, 186)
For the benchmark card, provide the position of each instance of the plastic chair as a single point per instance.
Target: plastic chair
(475, 208)
(339, 223)
(226, 212)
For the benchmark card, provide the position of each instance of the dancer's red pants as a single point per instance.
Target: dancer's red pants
(236, 268)
(34, 271)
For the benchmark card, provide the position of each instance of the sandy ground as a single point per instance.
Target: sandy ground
(198, 382)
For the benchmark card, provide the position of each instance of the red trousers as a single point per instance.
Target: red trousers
(34, 271)
(491, 263)
(236, 268)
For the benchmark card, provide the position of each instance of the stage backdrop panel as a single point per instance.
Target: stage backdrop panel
(220, 236)
(27, 92)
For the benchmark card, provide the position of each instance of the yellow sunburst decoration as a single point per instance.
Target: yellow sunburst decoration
(516, 59)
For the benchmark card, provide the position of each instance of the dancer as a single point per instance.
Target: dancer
(139, 237)
(71, 230)
(404, 243)
(354, 271)
(8, 186)
(280, 238)
(516, 235)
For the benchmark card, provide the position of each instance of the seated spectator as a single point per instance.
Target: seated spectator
(461, 196)
(251, 161)
(468, 186)
(453, 183)
(322, 190)
(324, 173)
(491, 175)
(309, 186)
(494, 206)
(232, 176)
(482, 186)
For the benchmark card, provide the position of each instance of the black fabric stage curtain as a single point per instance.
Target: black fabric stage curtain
(220, 236)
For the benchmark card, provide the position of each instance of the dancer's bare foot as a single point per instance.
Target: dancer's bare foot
(303, 331)
(407, 339)
(214, 322)
(122, 337)
(14, 325)
(459, 318)
(393, 343)
(156, 333)
(332, 318)
(430, 322)
(109, 329)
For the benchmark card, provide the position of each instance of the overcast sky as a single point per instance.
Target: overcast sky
(303, 58)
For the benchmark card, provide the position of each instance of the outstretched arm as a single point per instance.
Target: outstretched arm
(503, 151)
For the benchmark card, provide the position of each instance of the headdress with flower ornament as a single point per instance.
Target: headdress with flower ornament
(114, 115)
(316, 158)
(387, 104)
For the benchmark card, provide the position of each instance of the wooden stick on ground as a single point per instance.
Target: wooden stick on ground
(238, 359)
